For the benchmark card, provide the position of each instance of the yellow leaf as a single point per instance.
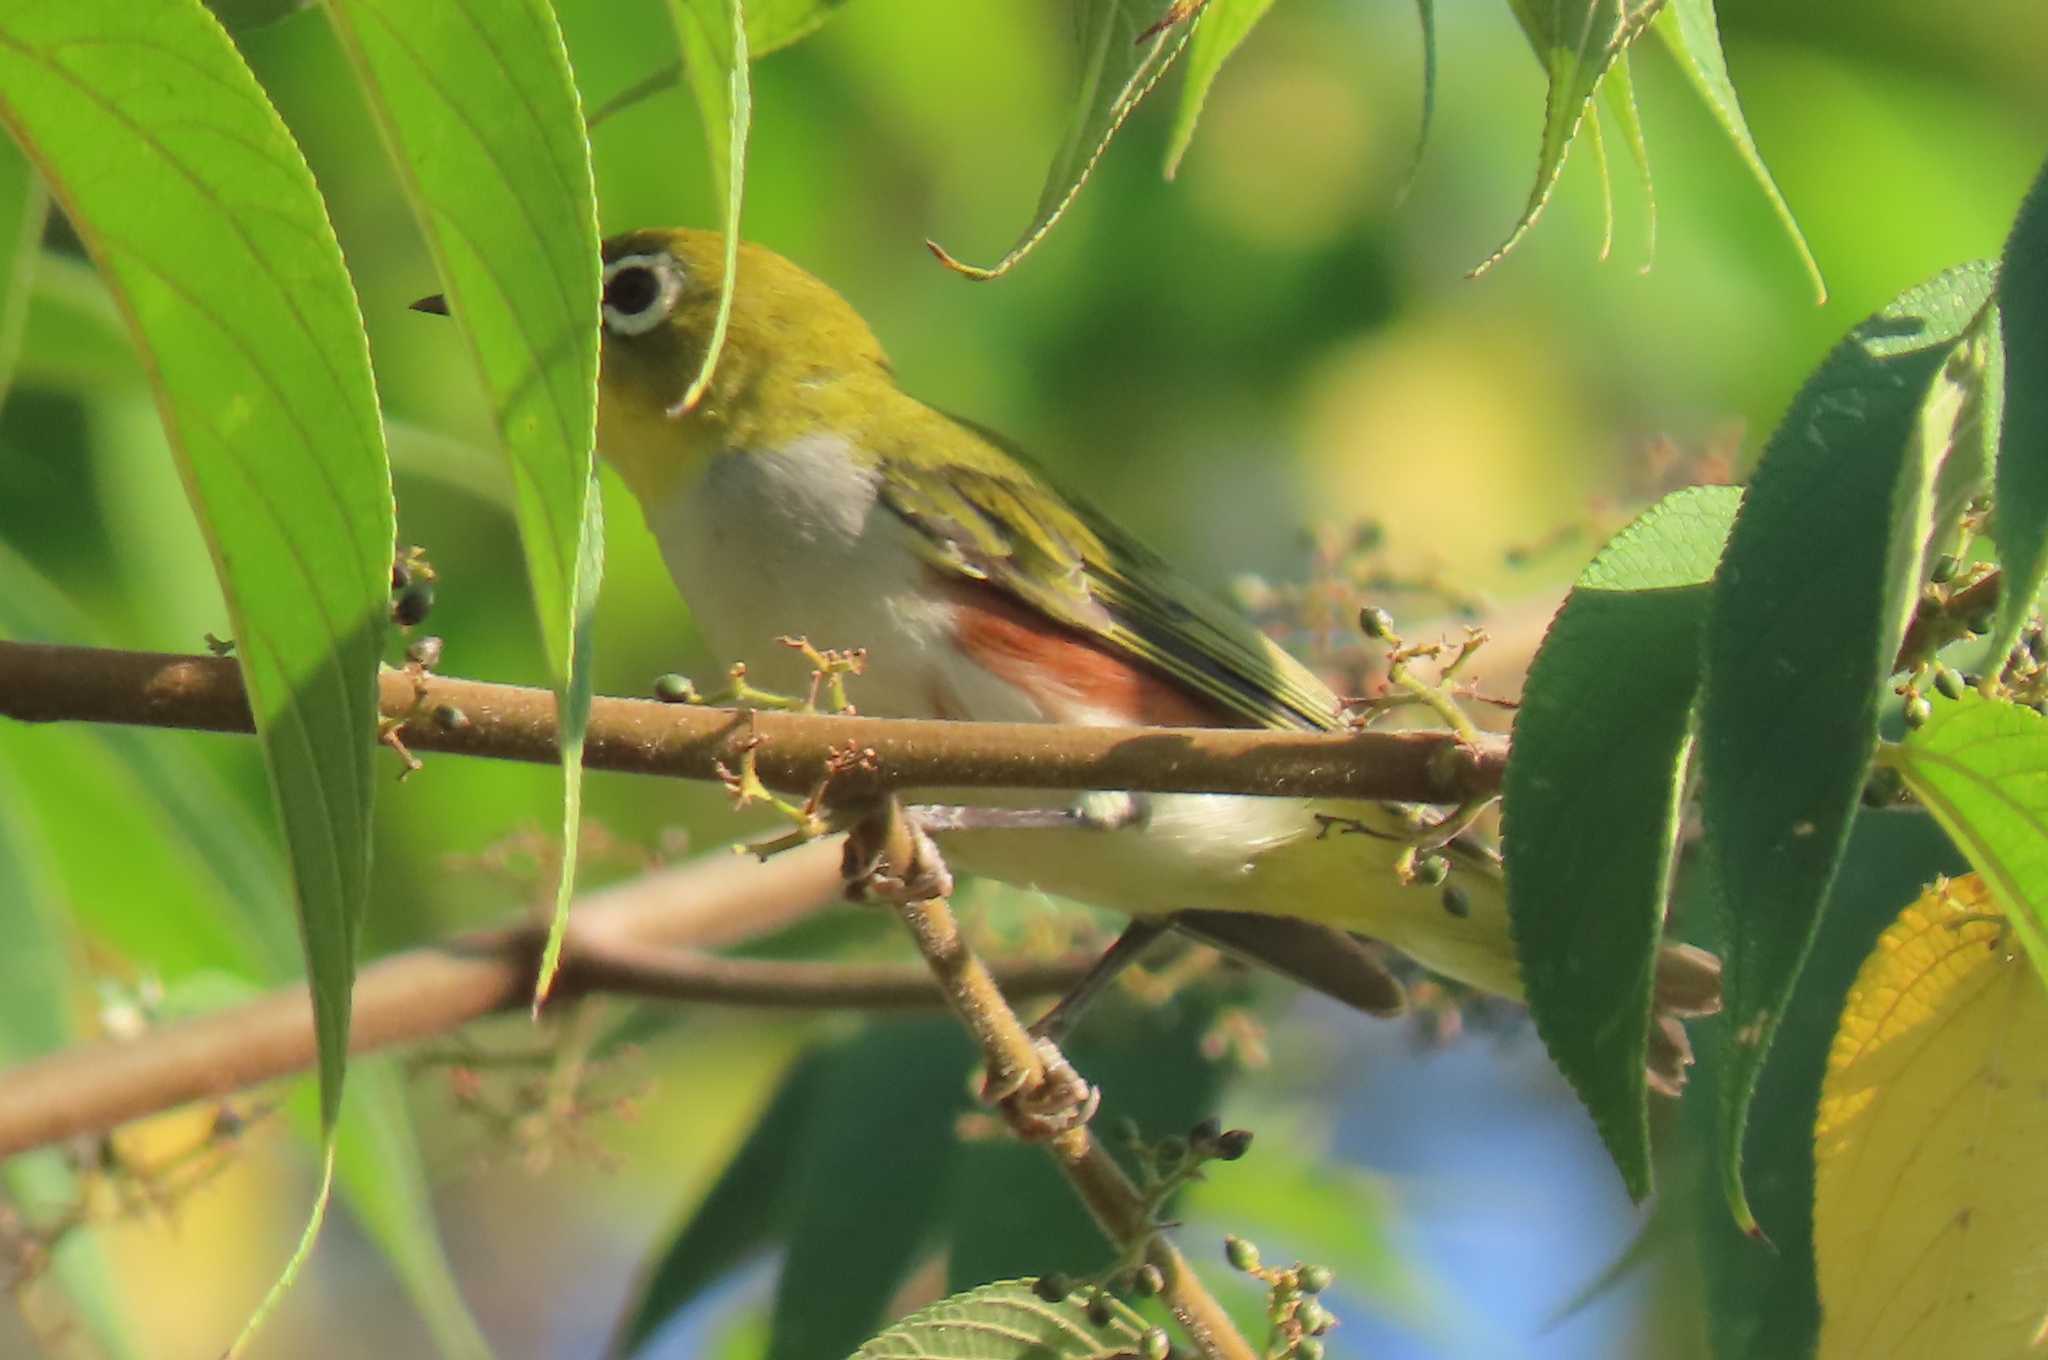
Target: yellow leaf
(1931, 1148)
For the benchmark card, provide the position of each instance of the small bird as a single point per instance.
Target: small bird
(807, 494)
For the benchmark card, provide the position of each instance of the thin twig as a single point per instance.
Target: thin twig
(40, 683)
(1018, 1070)
(1934, 627)
(627, 940)
(662, 973)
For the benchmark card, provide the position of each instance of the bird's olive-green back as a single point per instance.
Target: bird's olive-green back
(800, 362)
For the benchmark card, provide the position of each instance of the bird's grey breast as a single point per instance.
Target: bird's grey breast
(794, 540)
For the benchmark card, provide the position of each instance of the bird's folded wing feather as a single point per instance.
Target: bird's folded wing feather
(994, 520)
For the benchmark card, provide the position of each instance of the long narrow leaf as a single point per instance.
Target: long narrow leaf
(35, 1001)
(1577, 42)
(1125, 52)
(1225, 24)
(2022, 524)
(23, 206)
(216, 888)
(217, 248)
(712, 36)
(1810, 605)
(1591, 803)
(1693, 33)
(481, 113)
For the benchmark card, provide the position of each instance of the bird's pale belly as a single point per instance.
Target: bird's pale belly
(797, 543)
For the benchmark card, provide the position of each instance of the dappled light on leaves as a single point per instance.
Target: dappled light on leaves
(1932, 1141)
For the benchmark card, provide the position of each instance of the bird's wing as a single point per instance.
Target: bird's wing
(994, 519)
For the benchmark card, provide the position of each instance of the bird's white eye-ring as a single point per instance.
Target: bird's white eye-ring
(639, 292)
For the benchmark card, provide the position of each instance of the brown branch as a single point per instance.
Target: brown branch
(1935, 625)
(40, 683)
(1029, 1079)
(662, 973)
(626, 940)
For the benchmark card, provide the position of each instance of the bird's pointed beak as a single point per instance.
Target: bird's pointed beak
(435, 303)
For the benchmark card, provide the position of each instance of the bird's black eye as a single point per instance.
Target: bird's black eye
(639, 291)
(632, 291)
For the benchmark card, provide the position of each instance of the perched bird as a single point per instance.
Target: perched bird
(808, 494)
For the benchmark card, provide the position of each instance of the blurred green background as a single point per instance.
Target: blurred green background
(1278, 344)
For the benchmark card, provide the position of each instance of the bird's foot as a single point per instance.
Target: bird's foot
(1058, 1102)
(865, 865)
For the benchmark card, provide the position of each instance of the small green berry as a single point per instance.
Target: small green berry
(1053, 1287)
(1314, 1318)
(1241, 1254)
(1375, 623)
(1314, 1279)
(1918, 710)
(1457, 902)
(1099, 1311)
(1233, 1144)
(1170, 1152)
(1154, 1345)
(1202, 1137)
(1944, 568)
(1948, 682)
(674, 689)
(1308, 1348)
(1147, 1281)
(1432, 869)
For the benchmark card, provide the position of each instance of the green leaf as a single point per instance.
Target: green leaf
(775, 24)
(483, 122)
(712, 35)
(2021, 524)
(1577, 42)
(749, 1207)
(1762, 1300)
(35, 1003)
(1009, 1321)
(1981, 767)
(1976, 372)
(1425, 14)
(1619, 90)
(1224, 24)
(1122, 59)
(239, 15)
(74, 339)
(384, 1182)
(1693, 33)
(215, 892)
(1590, 807)
(216, 246)
(1810, 605)
(23, 206)
(869, 1176)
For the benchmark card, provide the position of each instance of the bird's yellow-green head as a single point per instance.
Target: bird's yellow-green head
(796, 355)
